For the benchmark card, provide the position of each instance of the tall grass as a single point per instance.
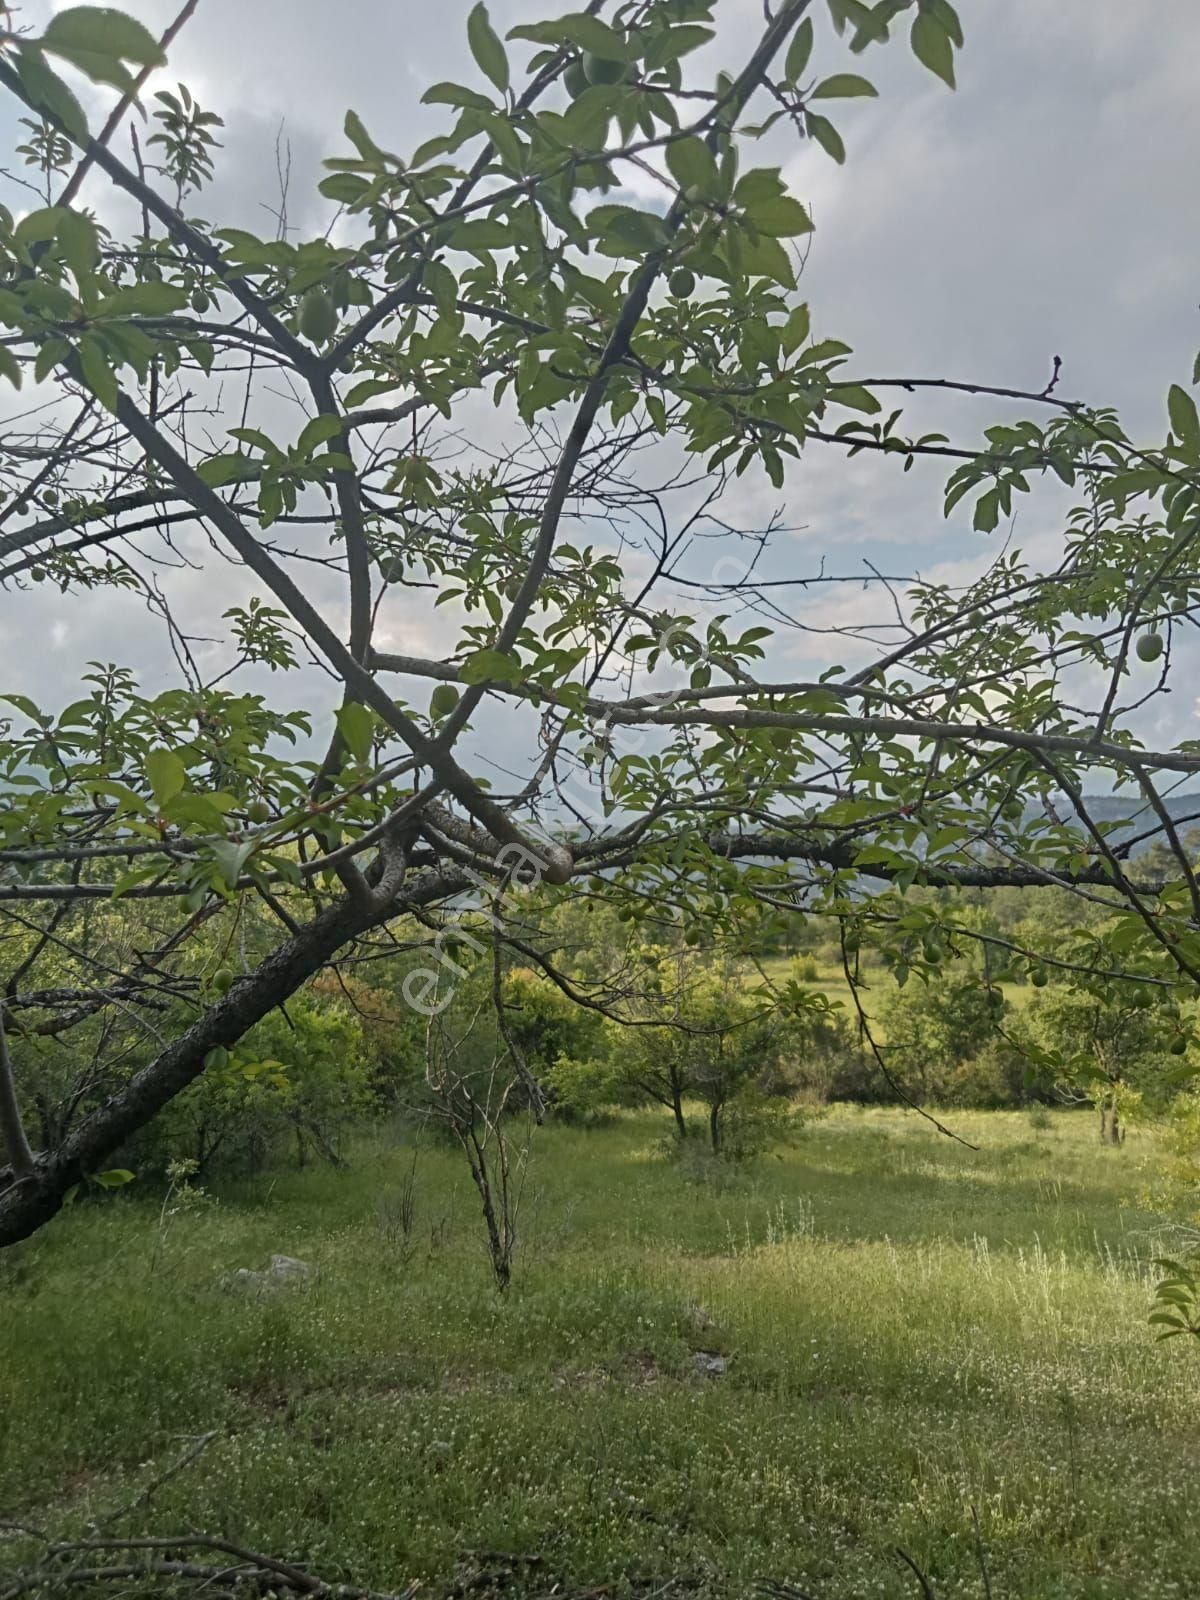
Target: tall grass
(913, 1329)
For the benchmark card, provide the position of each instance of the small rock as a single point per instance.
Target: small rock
(711, 1363)
(290, 1267)
(284, 1270)
(243, 1281)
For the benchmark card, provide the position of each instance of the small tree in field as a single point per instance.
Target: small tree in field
(1118, 1053)
(932, 1028)
(516, 380)
(693, 1035)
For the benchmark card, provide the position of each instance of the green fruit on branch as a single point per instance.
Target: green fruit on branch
(222, 980)
(258, 811)
(682, 282)
(1150, 647)
(443, 701)
(318, 316)
(599, 69)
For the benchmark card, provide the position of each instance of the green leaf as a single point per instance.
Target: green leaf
(220, 470)
(49, 94)
(26, 706)
(932, 46)
(456, 94)
(258, 439)
(491, 666)
(166, 775)
(114, 1178)
(796, 329)
(347, 188)
(194, 810)
(626, 232)
(316, 432)
(38, 226)
(766, 258)
(357, 727)
(799, 52)
(1185, 420)
(823, 350)
(692, 164)
(589, 33)
(486, 47)
(231, 857)
(781, 218)
(360, 138)
(217, 1059)
(150, 299)
(100, 68)
(368, 390)
(674, 43)
(844, 86)
(129, 880)
(79, 242)
(103, 31)
(855, 397)
(945, 13)
(98, 374)
(987, 511)
(826, 135)
(48, 357)
(10, 367)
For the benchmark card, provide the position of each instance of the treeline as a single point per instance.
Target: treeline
(576, 1012)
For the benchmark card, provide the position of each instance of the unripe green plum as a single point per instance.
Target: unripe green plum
(599, 69)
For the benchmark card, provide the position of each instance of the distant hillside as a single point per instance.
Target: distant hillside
(1184, 808)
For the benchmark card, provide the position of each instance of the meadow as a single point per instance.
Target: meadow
(917, 1335)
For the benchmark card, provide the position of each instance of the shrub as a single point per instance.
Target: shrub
(294, 1084)
(933, 1028)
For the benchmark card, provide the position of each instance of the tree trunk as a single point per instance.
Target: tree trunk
(12, 1128)
(714, 1126)
(681, 1126)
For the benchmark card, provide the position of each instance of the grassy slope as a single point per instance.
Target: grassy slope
(915, 1328)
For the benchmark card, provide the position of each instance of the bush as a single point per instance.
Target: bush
(294, 1084)
(933, 1029)
(990, 1081)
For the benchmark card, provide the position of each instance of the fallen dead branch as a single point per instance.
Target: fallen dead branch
(71, 1564)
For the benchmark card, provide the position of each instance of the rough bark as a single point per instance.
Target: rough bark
(12, 1128)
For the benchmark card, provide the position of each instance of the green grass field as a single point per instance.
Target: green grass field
(914, 1329)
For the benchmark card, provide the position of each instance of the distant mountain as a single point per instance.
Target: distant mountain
(1183, 809)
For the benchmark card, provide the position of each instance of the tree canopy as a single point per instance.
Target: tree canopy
(520, 375)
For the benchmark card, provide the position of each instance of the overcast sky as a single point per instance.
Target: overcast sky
(1048, 207)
